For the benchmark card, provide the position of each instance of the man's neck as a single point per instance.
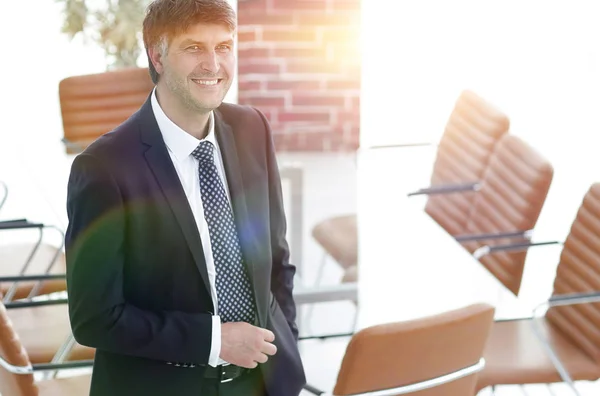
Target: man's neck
(194, 123)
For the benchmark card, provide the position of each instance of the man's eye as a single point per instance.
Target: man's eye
(223, 48)
(193, 48)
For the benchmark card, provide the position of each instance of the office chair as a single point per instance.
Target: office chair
(433, 356)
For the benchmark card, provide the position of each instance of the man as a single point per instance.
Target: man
(177, 262)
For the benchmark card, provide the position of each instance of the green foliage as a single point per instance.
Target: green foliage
(114, 25)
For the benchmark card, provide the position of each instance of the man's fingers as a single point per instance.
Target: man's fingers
(261, 358)
(268, 335)
(269, 349)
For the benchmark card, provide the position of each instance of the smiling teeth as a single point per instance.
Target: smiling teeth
(206, 82)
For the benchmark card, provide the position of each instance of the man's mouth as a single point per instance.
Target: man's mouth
(206, 82)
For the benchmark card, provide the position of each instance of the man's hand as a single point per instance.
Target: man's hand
(245, 345)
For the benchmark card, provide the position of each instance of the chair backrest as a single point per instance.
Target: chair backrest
(399, 354)
(513, 191)
(12, 351)
(472, 130)
(92, 105)
(578, 271)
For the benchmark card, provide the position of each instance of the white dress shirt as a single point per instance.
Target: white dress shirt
(180, 145)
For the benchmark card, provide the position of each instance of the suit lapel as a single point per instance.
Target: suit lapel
(160, 163)
(243, 223)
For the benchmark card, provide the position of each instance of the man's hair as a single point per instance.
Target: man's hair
(165, 19)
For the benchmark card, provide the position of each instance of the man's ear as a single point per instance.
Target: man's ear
(155, 56)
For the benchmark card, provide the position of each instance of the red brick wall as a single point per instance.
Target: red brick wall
(299, 64)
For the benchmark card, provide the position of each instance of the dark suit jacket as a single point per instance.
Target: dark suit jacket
(136, 275)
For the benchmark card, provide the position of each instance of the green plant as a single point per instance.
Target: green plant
(114, 25)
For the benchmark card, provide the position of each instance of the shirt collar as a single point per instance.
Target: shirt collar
(178, 141)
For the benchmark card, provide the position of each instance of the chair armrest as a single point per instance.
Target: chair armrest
(342, 292)
(313, 390)
(25, 278)
(30, 369)
(37, 303)
(571, 299)
(325, 336)
(19, 224)
(481, 237)
(63, 366)
(13, 221)
(560, 300)
(447, 189)
(513, 247)
(418, 386)
(73, 147)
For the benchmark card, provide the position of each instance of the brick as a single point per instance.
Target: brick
(343, 84)
(297, 5)
(340, 35)
(337, 19)
(345, 5)
(246, 36)
(249, 86)
(303, 116)
(303, 35)
(354, 102)
(352, 69)
(252, 6)
(308, 85)
(299, 52)
(348, 51)
(311, 66)
(258, 68)
(266, 101)
(264, 18)
(256, 52)
(318, 100)
(352, 117)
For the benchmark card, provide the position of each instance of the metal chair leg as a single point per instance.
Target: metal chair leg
(4, 188)
(309, 309)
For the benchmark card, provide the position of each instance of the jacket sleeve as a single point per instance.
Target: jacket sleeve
(95, 250)
(282, 276)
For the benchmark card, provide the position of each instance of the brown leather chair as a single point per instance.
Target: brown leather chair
(516, 352)
(17, 370)
(45, 329)
(513, 191)
(472, 130)
(403, 358)
(92, 105)
(512, 194)
(30, 258)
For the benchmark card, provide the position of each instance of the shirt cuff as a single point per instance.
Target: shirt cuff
(215, 345)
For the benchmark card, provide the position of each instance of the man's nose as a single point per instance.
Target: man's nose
(210, 62)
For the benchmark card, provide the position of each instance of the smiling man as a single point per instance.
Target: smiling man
(177, 262)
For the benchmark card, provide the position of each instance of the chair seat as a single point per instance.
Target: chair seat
(339, 237)
(514, 355)
(13, 257)
(75, 386)
(43, 330)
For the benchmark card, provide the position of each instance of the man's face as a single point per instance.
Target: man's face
(198, 66)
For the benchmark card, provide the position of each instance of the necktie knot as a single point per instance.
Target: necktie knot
(204, 152)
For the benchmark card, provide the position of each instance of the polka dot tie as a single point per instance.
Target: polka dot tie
(234, 292)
